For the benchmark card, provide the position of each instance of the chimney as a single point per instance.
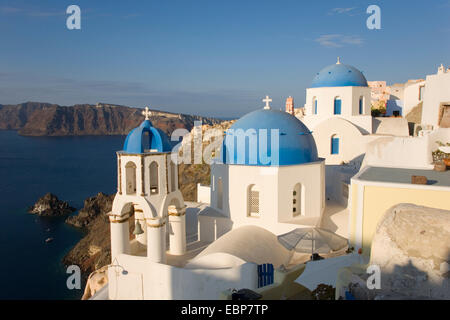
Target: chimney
(290, 105)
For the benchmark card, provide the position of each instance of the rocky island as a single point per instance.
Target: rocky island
(50, 206)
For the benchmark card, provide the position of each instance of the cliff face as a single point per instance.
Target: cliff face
(44, 119)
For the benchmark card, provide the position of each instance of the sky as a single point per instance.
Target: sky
(212, 58)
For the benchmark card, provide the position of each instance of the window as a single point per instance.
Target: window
(130, 176)
(297, 208)
(173, 180)
(154, 187)
(337, 105)
(253, 201)
(334, 145)
(219, 193)
(314, 105)
(361, 104)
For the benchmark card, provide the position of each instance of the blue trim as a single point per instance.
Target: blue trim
(265, 274)
(315, 106)
(337, 106)
(334, 145)
(360, 106)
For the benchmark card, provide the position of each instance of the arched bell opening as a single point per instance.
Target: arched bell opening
(130, 178)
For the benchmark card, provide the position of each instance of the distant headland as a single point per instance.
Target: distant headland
(46, 119)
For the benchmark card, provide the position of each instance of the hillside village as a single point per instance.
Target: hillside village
(341, 199)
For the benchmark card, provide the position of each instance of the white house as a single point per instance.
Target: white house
(436, 104)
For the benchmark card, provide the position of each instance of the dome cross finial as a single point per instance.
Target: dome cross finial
(147, 113)
(267, 100)
(338, 60)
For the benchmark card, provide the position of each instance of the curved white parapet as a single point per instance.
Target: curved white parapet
(445, 149)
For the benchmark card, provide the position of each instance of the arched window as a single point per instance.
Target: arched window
(297, 203)
(334, 144)
(154, 186)
(314, 105)
(173, 180)
(130, 178)
(361, 105)
(337, 105)
(219, 193)
(253, 201)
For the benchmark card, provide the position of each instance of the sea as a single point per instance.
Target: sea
(72, 168)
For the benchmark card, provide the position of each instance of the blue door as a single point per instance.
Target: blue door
(360, 106)
(334, 145)
(265, 274)
(315, 106)
(337, 106)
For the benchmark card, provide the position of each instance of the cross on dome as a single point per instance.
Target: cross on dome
(338, 60)
(267, 100)
(146, 113)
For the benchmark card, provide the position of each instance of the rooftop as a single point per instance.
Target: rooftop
(401, 175)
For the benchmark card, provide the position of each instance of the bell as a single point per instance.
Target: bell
(138, 228)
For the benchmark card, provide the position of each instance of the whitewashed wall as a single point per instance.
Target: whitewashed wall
(349, 108)
(203, 193)
(154, 281)
(437, 90)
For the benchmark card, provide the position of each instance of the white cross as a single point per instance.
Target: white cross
(146, 113)
(267, 100)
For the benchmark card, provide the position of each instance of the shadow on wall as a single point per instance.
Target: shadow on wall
(336, 176)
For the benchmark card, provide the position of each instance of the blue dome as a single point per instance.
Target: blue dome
(157, 140)
(296, 145)
(339, 75)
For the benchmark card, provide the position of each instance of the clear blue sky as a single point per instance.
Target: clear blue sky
(216, 58)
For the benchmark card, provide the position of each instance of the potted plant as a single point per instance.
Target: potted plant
(442, 154)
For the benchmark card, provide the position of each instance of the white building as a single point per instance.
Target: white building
(338, 112)
(436, 104)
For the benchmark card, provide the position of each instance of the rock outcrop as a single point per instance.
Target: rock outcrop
(412, 249)
(50, 206)
(45, 119)
(101, 204)
(94, 250)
